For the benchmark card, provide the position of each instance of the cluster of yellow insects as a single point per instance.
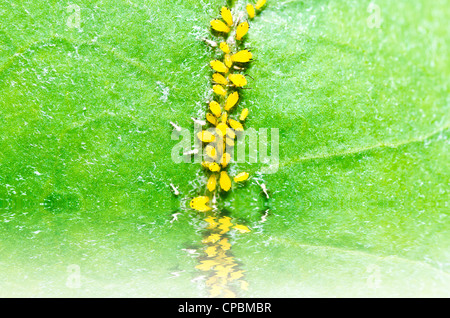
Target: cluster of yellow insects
(227, 83)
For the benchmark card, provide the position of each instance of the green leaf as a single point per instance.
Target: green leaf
(358, 207)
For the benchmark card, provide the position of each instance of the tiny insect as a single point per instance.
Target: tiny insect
(242, 30)
(237, 126)
(222, 129)
(224, 118)
(243, 56)
(224, 47)
(250, 11)
(211, 183)
(220, 26)
(219, 79)
(214, 167)
(231, 101)
(199, 204)
(206, 136)
(219, 90)
(225, 160)
(244, 114)
(211, 152)
(212, 119)
(225, 182)
(210, 42)
(226, 15)
(218, 66)
(215, 108)
(238, 80)
(241, 177)
(227, 60)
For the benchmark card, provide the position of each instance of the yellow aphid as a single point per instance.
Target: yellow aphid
(242, 30)
(224, 117)
(238, 80)
(219, 90)
(260, 4)
(215, 108)
(227, 60)
(244, 114)
(241, 228)
(212, 222)
(211, 151)
(224, 47)
(211, 251)
(199, 204)
(206, 136)
(222, 129)
(226, 15)
(225, 159)
(212, 119)
(218, 66)
(231, 101)
(219, 26)
(211, 185)
(243, 56)
(214, 167)
(220, 79)
(250, 11)
(241, 177)
(230, 133)
(225, 182)
(236, 125)
(229, 142)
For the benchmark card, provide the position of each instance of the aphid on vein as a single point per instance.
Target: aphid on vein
(231, 101)
(238, 80)
(212, 119)
(241, 177)
(225, 160)
(222, 129)
(211, 183)
(242, 30)
(251, 11)
(219, 79)
(225, 182)
(244, 114)
(206, 136)
(235, 125)
(215, 108)
(226, 15)
(227, 60)
(220, 26)
(224, 47)
(219, 90)
(243, 56)
(218, 66)
(199, 204)
(211, 152)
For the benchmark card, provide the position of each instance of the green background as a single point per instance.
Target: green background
(358, 207)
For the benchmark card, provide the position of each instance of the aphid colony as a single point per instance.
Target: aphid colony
(227, 81)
